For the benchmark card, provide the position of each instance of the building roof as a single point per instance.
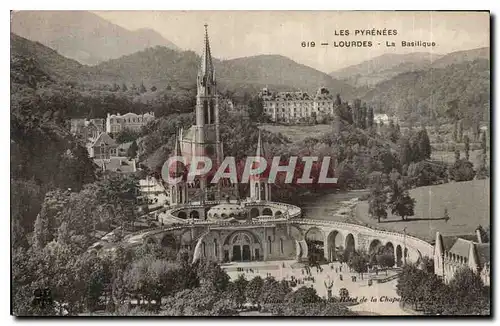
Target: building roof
(461, 247)
(132, 115)
(116, 164)
(103, 138)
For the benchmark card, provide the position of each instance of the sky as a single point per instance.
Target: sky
(246, 33)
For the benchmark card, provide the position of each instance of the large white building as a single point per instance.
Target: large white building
(294, 107)
(116, 122)
(453, 253)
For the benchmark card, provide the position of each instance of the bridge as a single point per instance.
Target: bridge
(283, 230)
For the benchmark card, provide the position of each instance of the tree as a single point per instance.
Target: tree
(142, 88)
(254, 289)
(359, 264)
(126, 135)
(370, 117)
(468, 293)
(401, 203)
(483, 142)
(460, 131)
(424, 145)
(303, 296)
(240, 285)
(363, 118)
(273, 292)
(467, 147)
(409, 284)
(454, 134)
(199, 301)
(210, 272)
(124, 87)
(425, 173)
(386, 260)
(405, 151)
(462, 170)
(482, 171)
(132, 150)
(378, 204)
(322, 308)
(153, 88)
(338, 100)
(119, 194)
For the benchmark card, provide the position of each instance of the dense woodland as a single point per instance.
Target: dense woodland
(429, 93)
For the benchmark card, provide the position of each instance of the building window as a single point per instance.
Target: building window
(281, 246)
(269, 244)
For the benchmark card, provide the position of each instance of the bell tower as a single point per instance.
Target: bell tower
(260, 190)
(207, 108)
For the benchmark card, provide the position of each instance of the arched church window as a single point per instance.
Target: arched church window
(212, 111)
(269, 244)
(205, 112)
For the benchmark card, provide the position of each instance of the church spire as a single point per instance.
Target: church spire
(177, 145)
(206, 67)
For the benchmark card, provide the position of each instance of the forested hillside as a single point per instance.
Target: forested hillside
(384, 67)
(429, 93)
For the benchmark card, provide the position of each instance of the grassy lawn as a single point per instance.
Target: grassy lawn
(468, 205)
(298, 133)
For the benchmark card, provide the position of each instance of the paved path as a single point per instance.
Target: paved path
(384, 293)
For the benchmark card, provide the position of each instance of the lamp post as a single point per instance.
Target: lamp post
(328, 286)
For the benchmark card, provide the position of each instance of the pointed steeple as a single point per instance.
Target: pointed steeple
(260, 148)
(207, 67)
(177, 145)
(473, 259)
(438, 246)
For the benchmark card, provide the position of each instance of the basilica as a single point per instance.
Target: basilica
(222, 226)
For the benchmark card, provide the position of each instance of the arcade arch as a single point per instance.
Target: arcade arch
(315, 244)
(267, 211)
(335, 244)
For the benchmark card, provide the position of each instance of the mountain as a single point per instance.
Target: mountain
(163, 67)
(82, 35)
(427, 94)
(384, 67)
(49, 61)
(280, 70)
(462, 56)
